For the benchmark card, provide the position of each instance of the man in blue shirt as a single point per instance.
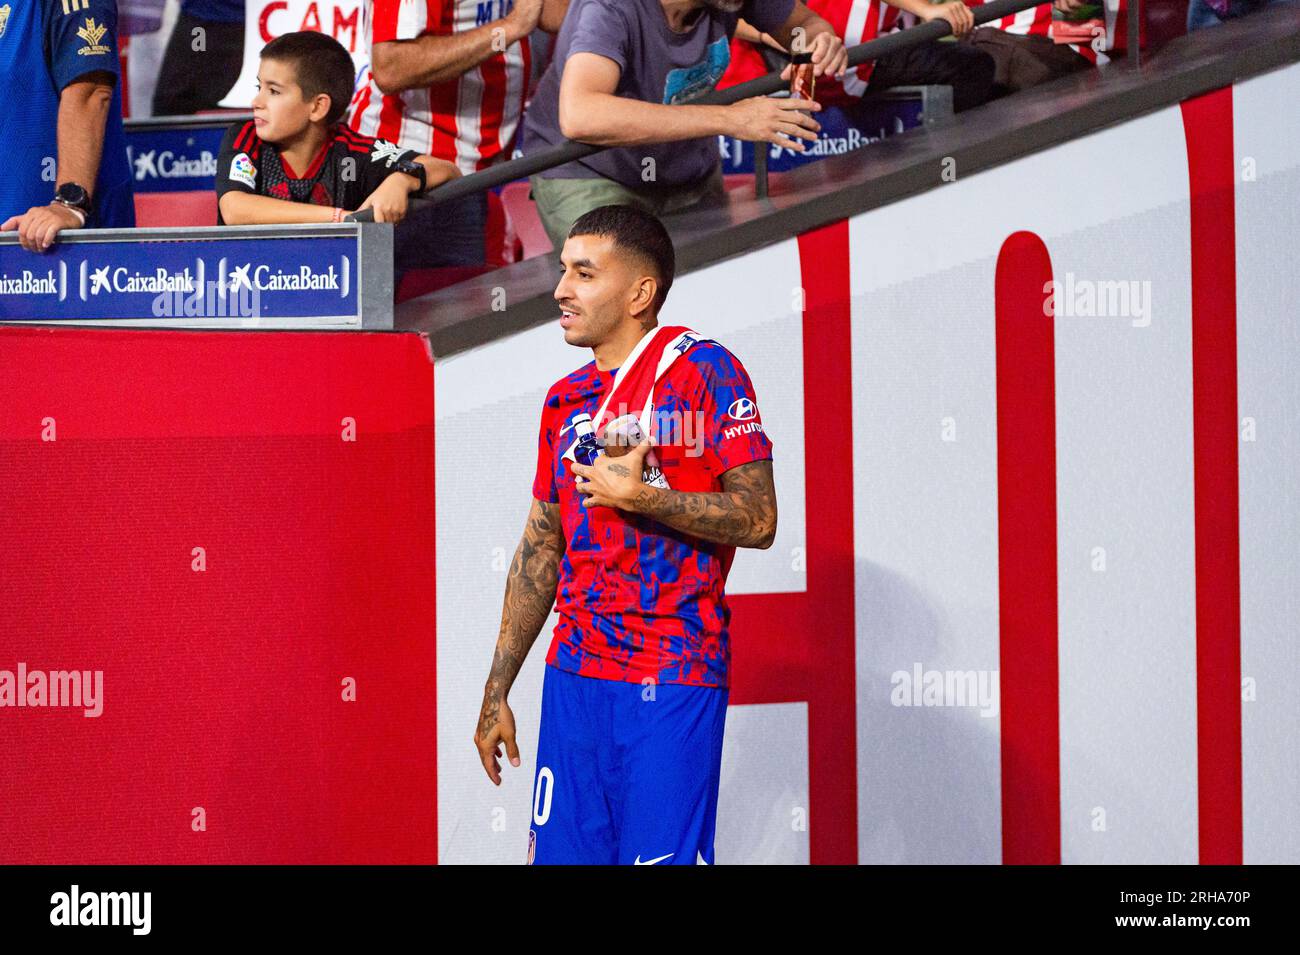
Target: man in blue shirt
(65, 154)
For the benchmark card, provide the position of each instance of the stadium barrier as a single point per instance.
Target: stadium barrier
(337, 276)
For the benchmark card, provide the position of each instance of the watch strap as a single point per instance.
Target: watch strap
(413, 168)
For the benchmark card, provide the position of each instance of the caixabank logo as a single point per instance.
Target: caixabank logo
(83, 285)
(98, 280)
(266, 278)
(27, 282)
(152, 164)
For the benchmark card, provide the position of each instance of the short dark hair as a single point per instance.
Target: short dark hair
(321, 65)
(638, 232)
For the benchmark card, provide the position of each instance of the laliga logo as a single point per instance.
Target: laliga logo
(742, 409)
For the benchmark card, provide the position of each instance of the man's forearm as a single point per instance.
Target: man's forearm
(426, 60)
(437, 171)
(83, 113)
(530, 594)
(716, 516)
(752, 34)
(744, 515)
(606, 120)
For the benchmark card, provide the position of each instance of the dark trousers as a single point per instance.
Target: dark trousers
(192, 80)
(452, 233)
(967, 70)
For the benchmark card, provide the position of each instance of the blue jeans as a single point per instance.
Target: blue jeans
(1201, 14)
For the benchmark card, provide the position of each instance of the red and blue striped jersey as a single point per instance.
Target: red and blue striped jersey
(638, 600)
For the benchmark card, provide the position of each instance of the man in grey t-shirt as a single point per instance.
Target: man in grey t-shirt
(623, 74)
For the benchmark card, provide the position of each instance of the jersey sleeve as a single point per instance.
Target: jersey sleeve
(403, 19)
(733, 427)
(602, 28)
(379, 162)
(544, 478)
(236, 167)
(81, 38)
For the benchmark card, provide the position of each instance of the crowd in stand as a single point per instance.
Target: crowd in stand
(440, 99)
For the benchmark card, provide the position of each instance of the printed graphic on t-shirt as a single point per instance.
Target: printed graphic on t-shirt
(688, 82)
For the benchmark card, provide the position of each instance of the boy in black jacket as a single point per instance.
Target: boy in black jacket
(295, 161)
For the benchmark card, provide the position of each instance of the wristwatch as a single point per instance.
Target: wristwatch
(412, 168)
(75, 196)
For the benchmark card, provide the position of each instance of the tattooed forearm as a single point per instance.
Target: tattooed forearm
(743, 514)
(530, 594)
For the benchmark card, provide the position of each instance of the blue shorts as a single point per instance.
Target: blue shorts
(627, 774)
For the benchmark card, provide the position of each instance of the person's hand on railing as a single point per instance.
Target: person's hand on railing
(1069, 6)
(829, 56)
(957, 14)
(767, 119)
(389, 201)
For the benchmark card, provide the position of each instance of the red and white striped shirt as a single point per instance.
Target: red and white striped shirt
(855, 22)
(470, 121)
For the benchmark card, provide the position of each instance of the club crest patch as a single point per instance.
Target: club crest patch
(91, 33)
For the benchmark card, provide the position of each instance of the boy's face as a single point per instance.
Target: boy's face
(280, 112)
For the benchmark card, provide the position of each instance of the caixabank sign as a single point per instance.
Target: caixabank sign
(223, 278)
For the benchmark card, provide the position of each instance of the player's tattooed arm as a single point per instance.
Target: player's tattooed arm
(742, 514)
(530, 594)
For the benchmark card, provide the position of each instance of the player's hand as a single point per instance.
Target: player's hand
(829, 57)
(391, 198)
(496, 726)
(767, 119)
(957, 14)
(38, 226)
(612, 482)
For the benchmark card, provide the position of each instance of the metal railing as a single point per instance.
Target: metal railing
(567, 152)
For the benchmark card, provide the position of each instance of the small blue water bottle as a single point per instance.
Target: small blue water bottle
(587, 447)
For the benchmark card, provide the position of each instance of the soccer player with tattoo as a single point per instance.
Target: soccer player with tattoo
(633, 550)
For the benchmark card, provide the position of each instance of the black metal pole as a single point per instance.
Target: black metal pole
(1134, 31)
